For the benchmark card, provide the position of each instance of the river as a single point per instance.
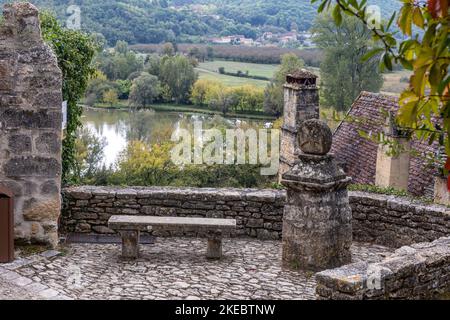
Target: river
(118, 127)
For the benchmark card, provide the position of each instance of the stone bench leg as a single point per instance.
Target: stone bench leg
(130, 244)
(214, 249)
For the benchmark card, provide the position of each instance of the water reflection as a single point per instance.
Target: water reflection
(119, 127)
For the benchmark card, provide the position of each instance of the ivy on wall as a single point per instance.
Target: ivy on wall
(75, 51)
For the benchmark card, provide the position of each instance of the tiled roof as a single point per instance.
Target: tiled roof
(359, 155)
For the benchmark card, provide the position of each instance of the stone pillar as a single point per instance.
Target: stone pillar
(317, 230)
(301, 102)
(214, 248)
(392, 170)
(130, 244)
(30, 124)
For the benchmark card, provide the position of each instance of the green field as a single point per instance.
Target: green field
(229, 81)
(254, 69)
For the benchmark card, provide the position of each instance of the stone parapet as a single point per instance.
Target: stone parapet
(419, 271)
(258, 213)
(382, 219)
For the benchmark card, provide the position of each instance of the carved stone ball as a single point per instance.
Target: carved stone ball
(315, 137)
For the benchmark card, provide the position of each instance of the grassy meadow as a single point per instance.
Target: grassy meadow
(254, 69)
(230, 81)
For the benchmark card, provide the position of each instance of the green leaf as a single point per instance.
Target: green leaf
(353, 3)
(406, 64)
(371, 54)
(435, 75)
(443, 84)
(388, 26)
(387, 61)
(322, 6)
(337, 16)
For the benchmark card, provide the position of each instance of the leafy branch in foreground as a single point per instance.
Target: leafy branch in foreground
(425, 104)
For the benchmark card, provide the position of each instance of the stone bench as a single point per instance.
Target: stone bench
(129, 227)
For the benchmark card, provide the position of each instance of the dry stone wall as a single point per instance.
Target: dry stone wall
(258, 212)
(30, 124)
(381, 219)
(419, 271)
(395, 222)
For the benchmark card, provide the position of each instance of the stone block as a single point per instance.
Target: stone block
(32, 167)
(19, 143)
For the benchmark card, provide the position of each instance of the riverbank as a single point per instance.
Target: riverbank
(182, 108)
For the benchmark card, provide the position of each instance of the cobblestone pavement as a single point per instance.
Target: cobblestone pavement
(172, 268)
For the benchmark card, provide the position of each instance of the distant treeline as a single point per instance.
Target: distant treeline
(268, 55)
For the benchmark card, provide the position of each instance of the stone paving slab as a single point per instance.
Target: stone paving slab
(174, 268)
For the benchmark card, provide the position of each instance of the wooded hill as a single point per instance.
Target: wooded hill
(156, 21)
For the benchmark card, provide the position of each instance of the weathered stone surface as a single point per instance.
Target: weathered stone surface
(30, 124)
(50, 187)
(301, 103)
(32, 167)
(174, 268)
(251, 208)
(19, 144)
(43, 210)
(370, 221)
(317, 229)
(421, 271)
(48, 143)
(315, 137)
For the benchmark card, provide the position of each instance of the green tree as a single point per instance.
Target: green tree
(210, 53)
(111, 97)
(273, 95)
(121, 47)
(75, 51)
(145, 90)
(124, 88)
(344, 75)
(178, 75)
(120, 63)
(89, 154)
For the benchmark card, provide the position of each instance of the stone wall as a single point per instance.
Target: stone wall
(394, 221)
(30, 124)
(381, 219)
(419, 271)
(258, 212)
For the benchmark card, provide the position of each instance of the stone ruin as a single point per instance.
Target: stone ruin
(317, 221)
(30, 124)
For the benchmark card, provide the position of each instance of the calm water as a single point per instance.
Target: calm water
(118, 127)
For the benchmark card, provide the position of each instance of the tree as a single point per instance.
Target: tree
(111, 97)
(199, 91)
(344, 75)
(168, 49)
(210, 53)
(145, 90)
(196, 53)
(89, 153)
(273, 94)
(123, 88)
(75, 51)
(121, 47)
(425, 104)
(178, 75)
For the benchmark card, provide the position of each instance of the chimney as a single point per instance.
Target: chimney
(301, 102)
(393, 169)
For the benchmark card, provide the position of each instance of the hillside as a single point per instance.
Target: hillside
(156, 21)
